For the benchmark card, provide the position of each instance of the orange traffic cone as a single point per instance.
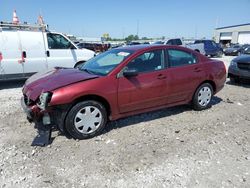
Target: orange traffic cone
(15, 19)
(40, 20)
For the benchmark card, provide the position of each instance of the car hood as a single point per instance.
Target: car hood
(53, 79)
(242, 59)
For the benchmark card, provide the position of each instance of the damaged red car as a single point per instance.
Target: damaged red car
(119, 83)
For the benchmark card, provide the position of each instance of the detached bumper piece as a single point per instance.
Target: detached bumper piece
(43, 125)
(43, 137)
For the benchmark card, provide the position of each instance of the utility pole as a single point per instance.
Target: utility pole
(216, 26)
(137, 30)
(195, 34)
(123, 33)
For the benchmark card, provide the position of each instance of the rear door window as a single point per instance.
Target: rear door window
(177, 58)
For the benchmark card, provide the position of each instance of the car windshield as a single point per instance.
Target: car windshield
(104, 63)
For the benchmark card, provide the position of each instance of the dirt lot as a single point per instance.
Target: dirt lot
(175, 147)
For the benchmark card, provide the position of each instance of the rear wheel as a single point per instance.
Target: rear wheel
(202, 97)
(86, 119)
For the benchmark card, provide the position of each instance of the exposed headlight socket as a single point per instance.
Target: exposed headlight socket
(44, 99)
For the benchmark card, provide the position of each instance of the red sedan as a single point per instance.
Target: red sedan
(119, 83)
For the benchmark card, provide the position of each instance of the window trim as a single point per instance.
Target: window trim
(168, 61)
(60, 48)
(163, 64)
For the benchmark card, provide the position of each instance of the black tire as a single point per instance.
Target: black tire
(79, 64)
(196, 102)
(71, 118)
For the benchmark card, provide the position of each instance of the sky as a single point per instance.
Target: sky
(148, 18)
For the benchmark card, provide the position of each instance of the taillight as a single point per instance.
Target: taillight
(1, 57)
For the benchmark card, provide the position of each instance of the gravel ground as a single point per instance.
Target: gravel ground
(174, 147)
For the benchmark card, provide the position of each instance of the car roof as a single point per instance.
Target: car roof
(145, 47)
(142, 47)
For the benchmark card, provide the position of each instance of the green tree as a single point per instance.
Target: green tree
(131, 38)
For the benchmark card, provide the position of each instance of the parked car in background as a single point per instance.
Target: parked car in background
(245, 47)
(240, 67)
(211, 48)
(27, 49)
(119, 83)
(246, 51)
(116, 45)
(96, 47)
(196, 47)
(234, 50)
(133, 43)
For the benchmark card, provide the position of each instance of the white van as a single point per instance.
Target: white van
(26, 49)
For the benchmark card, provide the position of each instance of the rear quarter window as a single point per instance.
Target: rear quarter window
(179, 58)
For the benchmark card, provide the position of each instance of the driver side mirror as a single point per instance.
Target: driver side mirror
(130, 73)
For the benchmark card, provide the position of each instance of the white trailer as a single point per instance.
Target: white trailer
(26, 49)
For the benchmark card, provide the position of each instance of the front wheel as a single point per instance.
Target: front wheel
(86, 119)
(79, 64)
(202, 97)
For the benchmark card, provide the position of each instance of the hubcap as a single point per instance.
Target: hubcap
(204, 96)
(88, 119)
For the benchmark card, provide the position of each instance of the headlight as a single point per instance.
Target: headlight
(233, 63)
(44, 99)
(235, 51)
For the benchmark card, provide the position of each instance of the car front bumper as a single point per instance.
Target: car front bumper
(53, 116)
(28, 111)
(231, 53)
(236, 72)
(34, 114)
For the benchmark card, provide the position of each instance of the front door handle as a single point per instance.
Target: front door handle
(197, 69)
(161, 77)
(47, 53)
(24, 55)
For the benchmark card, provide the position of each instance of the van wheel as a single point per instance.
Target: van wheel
(79, 64)
(86, 119)
(202, 97)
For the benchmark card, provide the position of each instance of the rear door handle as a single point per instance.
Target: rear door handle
(161, 77)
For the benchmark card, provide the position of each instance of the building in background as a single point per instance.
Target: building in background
(233, 34)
